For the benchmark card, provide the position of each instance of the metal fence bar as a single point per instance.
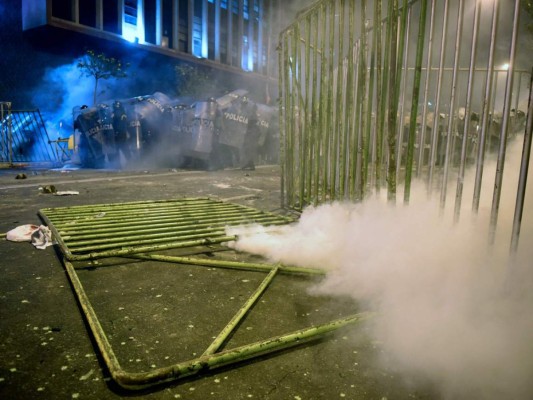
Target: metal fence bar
(379, 98)
(293, 121)
(341, 104)
(240, 265)
(317, 110)
(365, 88)
(5, 131)
(370, 105)
(354, 145)
(301, 121)
(392, 114)
(283, 107)
(380, 165)
(423, 125)
(336, 51)
(324, 87)
(524, 165)
(498, 181)
(436, 114)
(402, 100)
(415, 98)
(328, 97)
(309, 135)
(485, 110)
(237, 318)
(449, 135)
(466, 128)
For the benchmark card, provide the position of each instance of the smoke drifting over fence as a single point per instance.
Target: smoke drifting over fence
(452, 310)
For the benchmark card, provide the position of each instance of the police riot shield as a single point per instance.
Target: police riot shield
(97, 136)
(182, 126)
(149, 111)
(235, 122)
(268, 141)
(203, 129)
(107, 133)
(265, 116)
(228, 99)
(134, 128)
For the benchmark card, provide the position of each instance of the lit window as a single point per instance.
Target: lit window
(245, 9)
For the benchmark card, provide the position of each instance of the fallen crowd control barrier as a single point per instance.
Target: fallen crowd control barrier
(136, 230)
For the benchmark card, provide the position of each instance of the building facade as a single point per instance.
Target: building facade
(239, 35)
(235, 40)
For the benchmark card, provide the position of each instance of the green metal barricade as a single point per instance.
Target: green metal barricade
(141, 230)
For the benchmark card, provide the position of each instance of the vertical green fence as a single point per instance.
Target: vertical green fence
(375, 94)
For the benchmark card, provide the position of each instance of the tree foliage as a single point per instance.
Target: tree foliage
(198, 82)
(100, 67)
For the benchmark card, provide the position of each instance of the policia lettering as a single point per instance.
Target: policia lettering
(244, 120)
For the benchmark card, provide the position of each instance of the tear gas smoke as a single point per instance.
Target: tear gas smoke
(60, 90)
(450, 309)
(63, 87)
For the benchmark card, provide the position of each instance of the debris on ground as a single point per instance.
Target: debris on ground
(53, 190)
(39, 236)
(21, 233)
(48, 189)
(66, 193)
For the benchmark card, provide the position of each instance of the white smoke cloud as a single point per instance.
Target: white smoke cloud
(64, 87)
(61, 89)
(452, 310)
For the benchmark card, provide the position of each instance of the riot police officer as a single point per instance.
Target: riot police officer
(251, 138)
(120, 126)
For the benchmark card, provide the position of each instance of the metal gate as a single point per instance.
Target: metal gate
(24, 138)
(374, 94)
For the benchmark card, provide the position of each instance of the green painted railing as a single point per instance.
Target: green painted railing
(363, 110)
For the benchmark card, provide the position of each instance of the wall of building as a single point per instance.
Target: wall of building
(39, 69)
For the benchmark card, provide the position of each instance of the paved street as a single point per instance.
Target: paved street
(156, 315)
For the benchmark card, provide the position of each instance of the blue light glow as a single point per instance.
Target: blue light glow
(129, 32)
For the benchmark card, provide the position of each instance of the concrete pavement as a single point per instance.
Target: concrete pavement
(155, 315)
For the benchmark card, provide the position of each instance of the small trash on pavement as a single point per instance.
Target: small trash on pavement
(42, 238)
(52, 189)
(39, 236)
(66, 192)
(48, 189)
(21, 233)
